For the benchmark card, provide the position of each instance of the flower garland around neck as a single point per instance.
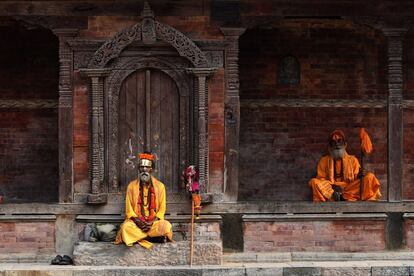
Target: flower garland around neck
(141, 206)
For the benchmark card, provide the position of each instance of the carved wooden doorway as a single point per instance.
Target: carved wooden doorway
(149, 119)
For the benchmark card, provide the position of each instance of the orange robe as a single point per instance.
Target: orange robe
(349, 181)
(129, 233)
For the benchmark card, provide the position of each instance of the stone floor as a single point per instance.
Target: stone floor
(358, 268)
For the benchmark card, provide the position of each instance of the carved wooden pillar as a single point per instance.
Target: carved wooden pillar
(65, 115)
(395, 111)
(232, 113)
(201, 75)
(97, 154)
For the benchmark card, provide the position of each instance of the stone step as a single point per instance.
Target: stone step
(278, 257)
(370, 268)
(175, 253)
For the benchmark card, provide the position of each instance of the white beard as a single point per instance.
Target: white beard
(144, 177)
(337, 153)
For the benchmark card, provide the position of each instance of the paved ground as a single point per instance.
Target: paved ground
(374, 268)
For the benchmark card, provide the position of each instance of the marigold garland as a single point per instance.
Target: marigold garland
(141, 210)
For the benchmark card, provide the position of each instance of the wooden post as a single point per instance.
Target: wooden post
(395, 112)
(232, 114)
(97, 163)
(202, 90)
(65, 115)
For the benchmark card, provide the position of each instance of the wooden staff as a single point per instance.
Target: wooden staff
(192, 233)
(366, 148)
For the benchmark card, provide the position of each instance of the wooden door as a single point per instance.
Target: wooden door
(150, 120)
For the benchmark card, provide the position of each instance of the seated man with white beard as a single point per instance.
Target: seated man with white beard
(145, 207)
(338, 175)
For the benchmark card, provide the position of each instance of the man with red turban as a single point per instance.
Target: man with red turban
(145, 207)
(338, 175)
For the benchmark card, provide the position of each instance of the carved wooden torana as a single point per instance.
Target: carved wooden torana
(108, 68)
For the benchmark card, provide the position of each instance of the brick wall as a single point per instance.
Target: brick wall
(280, 146)
(27, 237)
(317, 236)
(409, 233)
(408, 119)
(408, 154)
(29, 70)
(203, 231)
(216, 132)
(195, 27)
(81, 136)
(408, 63)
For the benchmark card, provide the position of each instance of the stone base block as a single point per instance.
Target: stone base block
(177, 253)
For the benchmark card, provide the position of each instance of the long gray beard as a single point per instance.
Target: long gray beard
(144, 177)
(337, 153)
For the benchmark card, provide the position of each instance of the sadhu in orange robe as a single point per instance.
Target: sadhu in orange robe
(129, 233)
(346, 176)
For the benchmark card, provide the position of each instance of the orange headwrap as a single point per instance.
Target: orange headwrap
(147, 156)
(337, 132)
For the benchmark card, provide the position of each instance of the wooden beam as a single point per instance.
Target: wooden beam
(101, 8)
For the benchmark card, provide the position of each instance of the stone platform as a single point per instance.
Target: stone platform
(167, 254)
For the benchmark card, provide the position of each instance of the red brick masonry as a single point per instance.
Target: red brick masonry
(27, 237)
(305, 234)
(409, 231)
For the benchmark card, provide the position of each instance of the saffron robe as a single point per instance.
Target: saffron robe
(129, 232)
(347, 179)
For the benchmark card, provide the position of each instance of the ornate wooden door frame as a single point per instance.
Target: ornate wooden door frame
(106, 82)
(112, 91)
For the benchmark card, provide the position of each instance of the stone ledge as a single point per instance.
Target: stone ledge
(26, 257)
(177, 253)
(170, 218)
(26, 218)
(408, 216)
(241, 207)
(313, 217)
